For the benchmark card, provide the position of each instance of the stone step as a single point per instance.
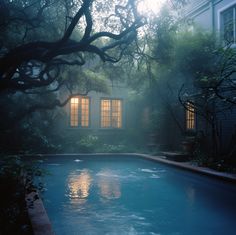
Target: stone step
(176, 156)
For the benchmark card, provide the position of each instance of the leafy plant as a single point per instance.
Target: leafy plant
(16, 179)
(110, 148)
(88, 143)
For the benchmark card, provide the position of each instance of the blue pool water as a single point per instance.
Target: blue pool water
(118, 195)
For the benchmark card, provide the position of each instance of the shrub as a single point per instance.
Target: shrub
(16, 178)
(88, 144)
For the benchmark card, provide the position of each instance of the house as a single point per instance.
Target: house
(189, 124)
(108, 116)
(97, 114)
(219, 18)
(99, 111)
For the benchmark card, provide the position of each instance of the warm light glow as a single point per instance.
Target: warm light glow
(111, 113)
(150, 7)
(109, 185)
(190, 116)
(84, 112)
(79, 112)
(74, 107)
(79, 185)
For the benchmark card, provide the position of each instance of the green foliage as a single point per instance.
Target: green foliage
(164, 38)
(178, 56)
(195, 54)
(96, 81)
(88, 143)
(36, 133)
(110, 148)
(84, 80)
(16, 179)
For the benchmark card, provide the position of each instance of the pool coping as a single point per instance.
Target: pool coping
(228, 177)
(38, 215)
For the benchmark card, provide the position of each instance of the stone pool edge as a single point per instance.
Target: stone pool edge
(40, 222)
(196, 169)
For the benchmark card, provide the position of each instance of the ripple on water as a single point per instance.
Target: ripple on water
(54, 164)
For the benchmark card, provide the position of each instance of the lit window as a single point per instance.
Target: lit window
(84, 112)
(79, 112)
(228, 24)
(190, 116)
(111, 113)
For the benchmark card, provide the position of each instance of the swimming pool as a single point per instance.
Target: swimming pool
(126, 195)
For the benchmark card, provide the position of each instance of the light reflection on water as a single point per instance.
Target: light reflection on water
(79, 185)
(80, 182)
(109, 184)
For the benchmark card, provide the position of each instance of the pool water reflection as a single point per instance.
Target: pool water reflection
(108, 184)
(127, 195)
(79, 184)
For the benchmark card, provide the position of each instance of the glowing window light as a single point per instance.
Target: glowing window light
(74, 107)
(111, 113)
(84, 112)
(190, 116)
(79, 112)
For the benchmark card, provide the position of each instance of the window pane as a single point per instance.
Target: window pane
(190, 116)
(84, 112)
(116, 113)
(74, 107)
(228, 25)
(105, 113)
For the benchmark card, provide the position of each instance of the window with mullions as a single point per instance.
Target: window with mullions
(228, 25)
(111, 113)
(79, 112)
(190, 116)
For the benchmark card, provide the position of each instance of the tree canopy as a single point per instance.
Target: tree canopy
(39, 38)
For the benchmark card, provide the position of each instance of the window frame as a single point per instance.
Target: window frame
(220, 22)
(80, 113)
(111, 127)
(190, 117)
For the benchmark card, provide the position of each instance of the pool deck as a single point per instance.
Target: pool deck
(190, 167)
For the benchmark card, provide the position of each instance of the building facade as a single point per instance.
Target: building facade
(98, 111)
(96, 118)
(217, 17)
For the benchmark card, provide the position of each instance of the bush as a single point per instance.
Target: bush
(16, 178)
(88, 144)
(110, 148)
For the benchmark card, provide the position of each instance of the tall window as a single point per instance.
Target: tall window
(111, 113)
(190, 116)
(228, 24)
(79, 112)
